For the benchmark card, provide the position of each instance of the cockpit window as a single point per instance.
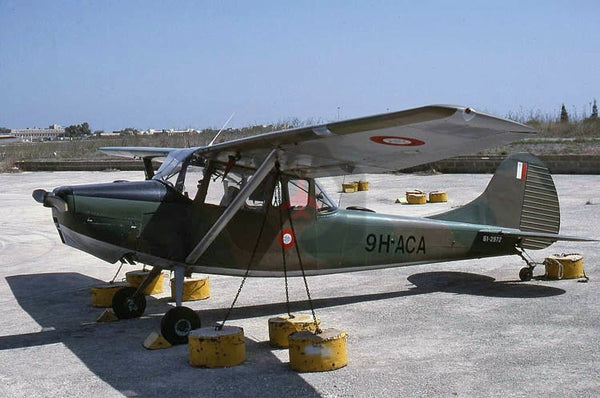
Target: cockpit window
(186, 172)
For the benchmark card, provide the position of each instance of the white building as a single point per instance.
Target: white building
(38, 134)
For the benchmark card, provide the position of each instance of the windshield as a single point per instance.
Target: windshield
(172, 171)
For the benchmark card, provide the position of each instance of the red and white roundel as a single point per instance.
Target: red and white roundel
(286, 238)
(396, 141)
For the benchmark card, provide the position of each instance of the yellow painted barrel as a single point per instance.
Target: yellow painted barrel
(416, 197)
(282, 326)
(363, 186)
(438, 197)
(196, 288)
(135, 279)
(311, 352)
(103, 294)
(217, 348)
(348, 188)
(564, 266)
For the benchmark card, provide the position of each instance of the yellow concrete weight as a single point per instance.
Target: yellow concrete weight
(135, 279)
(438, 197)
(363, 186)
(103, 294)
(213, 348)
(416, 197)
(311, 352)
(348, 188)
(282, 326)
(564, 266)
(196, 288)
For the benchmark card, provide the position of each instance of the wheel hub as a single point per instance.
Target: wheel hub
(183, 327)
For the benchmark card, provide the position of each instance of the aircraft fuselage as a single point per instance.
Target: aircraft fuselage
(151, 222)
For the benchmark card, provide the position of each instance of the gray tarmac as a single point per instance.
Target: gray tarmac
(457, 329)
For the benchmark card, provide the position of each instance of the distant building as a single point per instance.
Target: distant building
(170, 131)
(38, 134)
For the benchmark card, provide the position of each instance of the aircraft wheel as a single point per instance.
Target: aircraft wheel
(126, 306)
(177, 324)
(526, 274)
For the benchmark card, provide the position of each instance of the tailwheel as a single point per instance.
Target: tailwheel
(126, 304)
(526, 274)
(177, 324)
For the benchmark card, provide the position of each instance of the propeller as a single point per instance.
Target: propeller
(39, 195)
(50, 200)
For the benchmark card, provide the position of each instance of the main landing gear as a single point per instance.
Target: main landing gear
(128, 304)
(175, 325)
(526, 273)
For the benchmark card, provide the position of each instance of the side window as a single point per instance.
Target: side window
(261, 194)
(298, 191)
(222, 191)
(193, 178)
(324, 203)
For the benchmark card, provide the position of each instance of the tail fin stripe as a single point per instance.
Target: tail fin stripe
(549, 211)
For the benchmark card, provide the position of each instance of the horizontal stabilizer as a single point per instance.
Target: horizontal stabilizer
(137, 152)
(546, 237)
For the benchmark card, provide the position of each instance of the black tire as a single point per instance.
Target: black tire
(177, 324)
(126, 306)
(526, 274)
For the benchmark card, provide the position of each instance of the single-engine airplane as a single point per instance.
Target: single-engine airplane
(252, 206)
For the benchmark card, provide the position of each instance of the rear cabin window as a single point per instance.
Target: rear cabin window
(298, 192)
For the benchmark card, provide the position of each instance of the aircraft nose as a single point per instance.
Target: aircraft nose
(54, 199)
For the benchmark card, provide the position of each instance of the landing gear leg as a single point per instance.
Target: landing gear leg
(526, 273)
(178, 322)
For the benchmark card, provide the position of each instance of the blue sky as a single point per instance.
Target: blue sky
(146, 64)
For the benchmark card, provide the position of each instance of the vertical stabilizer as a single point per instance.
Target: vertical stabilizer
(520, 195)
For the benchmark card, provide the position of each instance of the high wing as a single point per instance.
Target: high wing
(374, 144)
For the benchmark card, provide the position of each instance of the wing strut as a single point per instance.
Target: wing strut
(236, 204)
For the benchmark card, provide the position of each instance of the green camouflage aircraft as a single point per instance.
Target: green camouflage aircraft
(252, 206)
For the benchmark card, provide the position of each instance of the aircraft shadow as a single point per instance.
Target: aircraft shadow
(479, 285)
(427, 282)
(60, 304)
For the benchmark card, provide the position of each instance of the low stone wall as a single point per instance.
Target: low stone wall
(557, 164)
(80, 165)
